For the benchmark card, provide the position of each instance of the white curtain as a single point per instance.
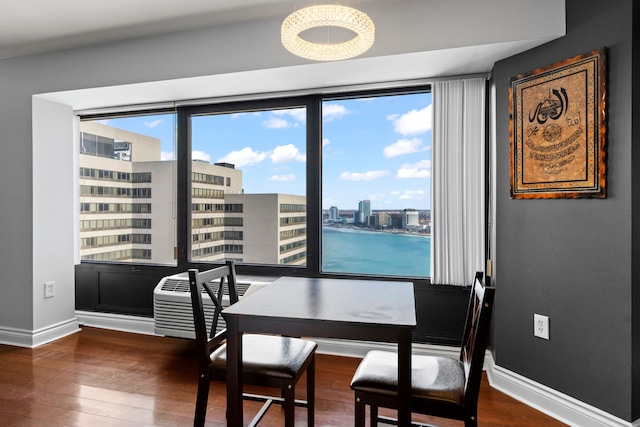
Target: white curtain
(458, 181)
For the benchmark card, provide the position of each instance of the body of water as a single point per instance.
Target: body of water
(348, 250)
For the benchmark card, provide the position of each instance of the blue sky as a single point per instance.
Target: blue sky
(377, 149)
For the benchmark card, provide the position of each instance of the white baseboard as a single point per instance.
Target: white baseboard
(38, 337)
(551, 402)
(360, 348)
(116, 322)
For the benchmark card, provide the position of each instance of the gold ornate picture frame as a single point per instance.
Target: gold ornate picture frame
(558, 132)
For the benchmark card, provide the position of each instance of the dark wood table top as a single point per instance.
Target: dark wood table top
(332, 300)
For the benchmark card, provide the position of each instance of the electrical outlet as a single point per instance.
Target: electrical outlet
(49, 289)
(541, 326)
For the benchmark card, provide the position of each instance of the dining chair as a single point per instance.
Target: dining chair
(440, 386)
(267, 360)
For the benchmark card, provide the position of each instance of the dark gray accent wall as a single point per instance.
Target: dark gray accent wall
(635, 247)
(573, 259)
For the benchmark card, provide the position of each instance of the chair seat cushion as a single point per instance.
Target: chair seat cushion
(266, 355)
(432, 377)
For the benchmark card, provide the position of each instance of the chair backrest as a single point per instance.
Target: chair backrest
(213, 282)
(475, 337)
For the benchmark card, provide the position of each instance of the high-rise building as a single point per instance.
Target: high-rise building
(410, 218)
(119, 173)
(275, 226)
(383, 219)
(364, 211)
(334, 213)
(127, 202)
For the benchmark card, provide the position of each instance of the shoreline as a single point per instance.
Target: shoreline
(402, 232)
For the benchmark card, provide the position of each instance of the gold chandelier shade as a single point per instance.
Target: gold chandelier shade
(327, 16)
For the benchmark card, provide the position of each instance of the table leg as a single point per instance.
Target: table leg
(404, 377)
(234, 373)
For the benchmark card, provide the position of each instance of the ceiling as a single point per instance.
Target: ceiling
(37, 26)
(414, 39)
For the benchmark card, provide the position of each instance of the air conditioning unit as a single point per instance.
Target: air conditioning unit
(172, 313)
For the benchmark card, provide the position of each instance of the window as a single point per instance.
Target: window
(127, 185)
(313, 185)
(254, 162)
(375, 185)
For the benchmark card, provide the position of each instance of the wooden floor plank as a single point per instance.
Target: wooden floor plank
(99, 377)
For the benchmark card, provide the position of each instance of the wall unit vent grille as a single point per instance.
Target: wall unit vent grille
(172, 315)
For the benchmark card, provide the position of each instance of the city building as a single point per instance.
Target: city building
(126, 197)
(364, 211)
(383, 219)
(396, 220)
(334, 213)
(410, 219)
(274, 227)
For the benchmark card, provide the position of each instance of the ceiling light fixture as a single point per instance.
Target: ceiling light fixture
(328, 16)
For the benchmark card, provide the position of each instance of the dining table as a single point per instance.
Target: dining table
(351, 309)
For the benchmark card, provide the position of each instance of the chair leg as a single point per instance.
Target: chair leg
(359, 411)
(311, 392)
(374, 416)
(201, 400)
(289, 394)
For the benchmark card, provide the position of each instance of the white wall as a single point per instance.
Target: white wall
(55, 160)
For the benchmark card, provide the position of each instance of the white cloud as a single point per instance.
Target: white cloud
(200, 155)
(363, 176)
(331, 112)
(412, 123)
(276, 123)
(325, 141)
(422, 169)
(153, 123)
(283, 178)
(167, 155)
(245, 157)
(287, 153)
(298, 114)
(403, 146)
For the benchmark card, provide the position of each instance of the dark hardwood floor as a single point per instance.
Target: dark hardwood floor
(99, 377)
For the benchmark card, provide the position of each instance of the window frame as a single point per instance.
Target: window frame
(313, 179)
(313, 104)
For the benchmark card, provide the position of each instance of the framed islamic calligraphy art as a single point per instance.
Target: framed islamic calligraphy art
(558, 132)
